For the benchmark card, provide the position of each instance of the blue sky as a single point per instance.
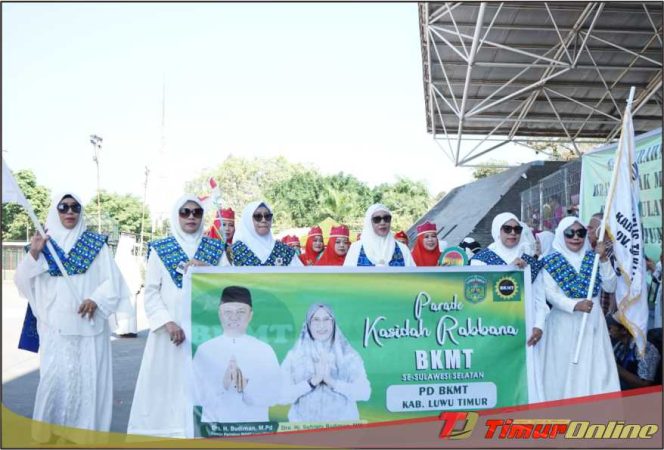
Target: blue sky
(338, 86)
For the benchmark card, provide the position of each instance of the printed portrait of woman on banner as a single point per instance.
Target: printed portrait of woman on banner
(323, 376)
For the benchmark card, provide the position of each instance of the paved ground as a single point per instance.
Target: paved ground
(20, 368)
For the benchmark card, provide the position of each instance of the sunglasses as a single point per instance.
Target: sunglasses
(379, 219)
(509, 228)
(258, 217)
(64, 208)
(186, 212)
(581, 232)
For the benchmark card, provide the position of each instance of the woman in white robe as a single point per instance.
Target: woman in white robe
(159, 405)
(377, 246)
(131, 272)
(596, 371)
(514, 247)
(76, 383)
(254, 244)
(323, 376)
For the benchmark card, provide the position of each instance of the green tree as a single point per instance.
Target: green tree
(124, 209)
(307, 198)
(345, 199)
(244, 180)
(407, 199)
(16, 225)
(491, 167)
(296, 199)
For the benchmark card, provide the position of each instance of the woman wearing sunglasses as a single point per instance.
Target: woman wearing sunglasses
(254, 243)
(509, 247)
(566, 278)
(75, 388)
(159, 398)
(378, 246)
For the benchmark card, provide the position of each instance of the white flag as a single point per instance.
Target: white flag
(624, 228)
(11, 192)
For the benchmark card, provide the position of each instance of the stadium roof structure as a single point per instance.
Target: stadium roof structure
(524, 72)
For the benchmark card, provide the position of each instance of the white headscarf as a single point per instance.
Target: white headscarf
(528, 240)
(574, 258)
(188, 241)
(379, 249)
(507, 254)
(64, 237)
(546, 240)
(261, 246)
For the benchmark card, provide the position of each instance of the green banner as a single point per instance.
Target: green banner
(398, 344)
(596, 171)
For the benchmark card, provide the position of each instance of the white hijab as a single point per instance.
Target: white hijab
(546, 241)
(261, 246)
(507, 254)
(188, 241)
(574, 258)
(64, 237)
(528, 240)
(379, 249)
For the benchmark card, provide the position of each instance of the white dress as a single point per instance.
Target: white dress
(596, 372)
(356, 247)
(259, 366)
(76, 381)
(159, 405)
(324, 404)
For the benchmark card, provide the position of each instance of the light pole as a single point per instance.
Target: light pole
(145, 193)
(96, 143)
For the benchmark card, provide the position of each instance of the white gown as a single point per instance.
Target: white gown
(356, 247)
(159, 405)
(259, 365)
(131, 272)
(76, 381)
(596, 372)
(323, 404)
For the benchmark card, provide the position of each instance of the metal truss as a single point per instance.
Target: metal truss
(489, 83)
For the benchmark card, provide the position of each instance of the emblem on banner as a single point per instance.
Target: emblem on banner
(475, 289)
(506, 290)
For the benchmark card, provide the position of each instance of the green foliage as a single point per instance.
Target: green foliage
(243, 180)
(489, 168)
(407, 199)
(16, 225)
(301, 196)
(307, 198)
(121, 210)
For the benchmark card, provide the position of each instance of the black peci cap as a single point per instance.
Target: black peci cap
(237, 294)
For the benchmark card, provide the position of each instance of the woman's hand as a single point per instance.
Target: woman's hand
(584, 306)
(600, 249)
(176, 333)
(520, 263)
(535, 337)
(318, 374)
(194, 262)
(87, 307)
(37, 244)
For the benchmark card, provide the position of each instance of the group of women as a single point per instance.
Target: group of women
(561, 278)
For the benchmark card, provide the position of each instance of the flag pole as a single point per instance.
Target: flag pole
(602, 231)
(35, 221)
